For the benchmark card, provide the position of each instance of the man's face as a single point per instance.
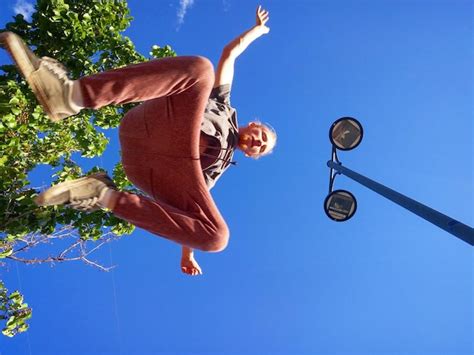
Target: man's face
(255, 140)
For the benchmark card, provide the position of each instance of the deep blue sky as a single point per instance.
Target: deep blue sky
(292, 281)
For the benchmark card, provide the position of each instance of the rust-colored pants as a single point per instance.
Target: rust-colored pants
(160, 147)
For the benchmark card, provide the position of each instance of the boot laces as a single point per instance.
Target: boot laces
(55, 67)
(88, 204)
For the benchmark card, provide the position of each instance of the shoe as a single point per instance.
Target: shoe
(82, 194)
(46, 77)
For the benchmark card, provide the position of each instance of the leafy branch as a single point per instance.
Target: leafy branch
(86, 36)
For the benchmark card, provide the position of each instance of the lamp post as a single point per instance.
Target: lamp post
(340, 205)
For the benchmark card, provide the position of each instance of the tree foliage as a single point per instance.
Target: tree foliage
(14, 311)
(86, 36)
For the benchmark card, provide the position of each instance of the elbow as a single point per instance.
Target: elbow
(230, 51)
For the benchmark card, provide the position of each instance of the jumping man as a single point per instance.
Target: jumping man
(175, 144)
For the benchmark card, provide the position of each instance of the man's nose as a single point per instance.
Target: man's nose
(257, 142)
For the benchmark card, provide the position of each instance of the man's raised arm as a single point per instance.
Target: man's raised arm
(225, 69)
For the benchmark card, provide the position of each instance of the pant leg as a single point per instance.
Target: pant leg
(160, 153)
(142, 81)
(180, 209)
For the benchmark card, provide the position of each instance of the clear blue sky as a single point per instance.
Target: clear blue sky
(292, 281)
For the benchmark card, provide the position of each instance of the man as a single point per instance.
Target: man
(175, 145)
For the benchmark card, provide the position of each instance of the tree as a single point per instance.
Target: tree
(86, 36)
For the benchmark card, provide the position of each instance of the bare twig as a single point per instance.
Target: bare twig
(42, 261)
(100, 267)
(71, 247)
(78, 250)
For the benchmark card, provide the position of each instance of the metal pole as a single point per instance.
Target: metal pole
(447, 223)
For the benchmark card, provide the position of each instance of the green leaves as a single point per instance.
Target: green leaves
(5, 252)
(14, 310)
(158, 52)
(87, 37)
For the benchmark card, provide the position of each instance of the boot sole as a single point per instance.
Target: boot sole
(17, 49)
(59, 194)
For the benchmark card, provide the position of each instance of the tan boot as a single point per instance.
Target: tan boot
(46, 77)
(82, 194)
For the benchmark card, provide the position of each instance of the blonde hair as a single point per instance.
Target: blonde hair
(272, 132)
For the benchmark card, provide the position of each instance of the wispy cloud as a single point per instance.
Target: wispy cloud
(25, 8)
(226, 4)
(184, 5)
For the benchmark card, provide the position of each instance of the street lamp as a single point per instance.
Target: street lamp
(340, 205)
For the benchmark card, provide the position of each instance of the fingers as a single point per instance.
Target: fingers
(261, 11)
(263, 14)
(191, 271)
(197, 271)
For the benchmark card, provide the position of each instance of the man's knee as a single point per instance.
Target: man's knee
(217, 241)
(203, 68)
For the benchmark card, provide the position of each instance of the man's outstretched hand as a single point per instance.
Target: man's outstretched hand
(262, 18)
(190, 266)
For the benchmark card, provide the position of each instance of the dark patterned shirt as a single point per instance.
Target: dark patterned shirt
(219, 130)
